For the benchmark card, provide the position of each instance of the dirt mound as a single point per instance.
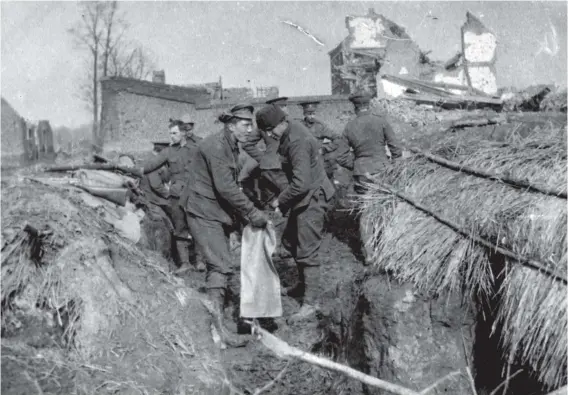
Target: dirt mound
(107, 315)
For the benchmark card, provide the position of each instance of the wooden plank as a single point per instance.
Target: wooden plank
(516, 183)
(417, 86)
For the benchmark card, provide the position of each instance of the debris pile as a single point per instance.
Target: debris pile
(86, 311)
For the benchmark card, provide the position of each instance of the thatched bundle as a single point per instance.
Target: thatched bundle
(126, 325)
(428, 221)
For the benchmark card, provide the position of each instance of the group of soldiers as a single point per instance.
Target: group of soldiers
(211, 195)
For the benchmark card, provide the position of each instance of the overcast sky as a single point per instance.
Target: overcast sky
(197, 42)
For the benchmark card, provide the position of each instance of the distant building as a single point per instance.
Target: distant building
(134, 108)
(14, 135)
(22, 141)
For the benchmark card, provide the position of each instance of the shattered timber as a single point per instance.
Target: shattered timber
(466, 294)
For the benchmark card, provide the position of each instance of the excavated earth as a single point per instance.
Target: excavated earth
(375, 325)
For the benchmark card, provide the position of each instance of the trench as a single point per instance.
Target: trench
(375, 325)
(392, 332)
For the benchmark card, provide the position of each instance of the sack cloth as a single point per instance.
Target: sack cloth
(102, 178)
(260, 284)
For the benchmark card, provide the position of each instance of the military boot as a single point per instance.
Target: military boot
(184, 264)
(311, 279)
(296, 290)
(199, 262)
(217, 296)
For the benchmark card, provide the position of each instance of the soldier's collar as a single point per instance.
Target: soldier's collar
(233, 143)
(286, 132)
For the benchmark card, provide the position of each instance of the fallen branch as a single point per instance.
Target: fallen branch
(471, 380)
(506, 381)
(478, 240)
(285, 351)
(488, 175)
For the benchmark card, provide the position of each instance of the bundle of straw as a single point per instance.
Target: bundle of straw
(433, 226)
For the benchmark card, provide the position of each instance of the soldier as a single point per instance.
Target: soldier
(325, 136)
(178, 156)
(306, 198)
(366, 136)
(281, 102)
(269, 161)
(155, 187)
(216, 205)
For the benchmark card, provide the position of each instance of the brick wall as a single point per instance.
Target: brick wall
(131, 121)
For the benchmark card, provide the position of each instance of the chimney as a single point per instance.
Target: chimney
(159, 77)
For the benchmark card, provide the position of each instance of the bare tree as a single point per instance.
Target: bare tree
(134, 62)
(102, 30)
(88, 33)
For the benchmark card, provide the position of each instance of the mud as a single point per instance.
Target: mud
(371, 323)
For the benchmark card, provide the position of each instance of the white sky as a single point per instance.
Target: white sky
(197, 42)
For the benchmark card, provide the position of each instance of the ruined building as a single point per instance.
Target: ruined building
(377, 47)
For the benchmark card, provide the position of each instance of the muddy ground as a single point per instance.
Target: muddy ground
(375, 325)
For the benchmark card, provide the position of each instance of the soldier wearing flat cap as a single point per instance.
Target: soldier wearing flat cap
(362, 149)
(178, 156)
(306, 199)
(273, 180)
(281, 102)
(216, 205)
(325, 136)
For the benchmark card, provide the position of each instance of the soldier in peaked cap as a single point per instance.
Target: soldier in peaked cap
(216, 206)
(322, 133)
(362, 149)
(178, 157)
(306, 199)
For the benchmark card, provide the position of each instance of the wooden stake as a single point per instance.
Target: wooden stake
(478, 240)
(487, 175)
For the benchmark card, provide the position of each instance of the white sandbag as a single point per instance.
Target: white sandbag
(129, 226)
(260, 284)
(101, 178)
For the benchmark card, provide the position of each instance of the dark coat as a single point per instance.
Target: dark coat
(268, 159)
(367, 134)
(304, 167)
(154, 186)
(212, 191)
(178, 158)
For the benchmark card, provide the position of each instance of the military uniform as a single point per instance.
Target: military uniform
(306, 197)
(156, 193)
(270, 162)
(216, 205)
(366, 135)
(325, 136)
(178, 157)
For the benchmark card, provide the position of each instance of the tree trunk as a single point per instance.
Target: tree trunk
(96, 137)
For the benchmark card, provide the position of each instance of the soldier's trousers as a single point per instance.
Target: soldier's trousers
(178, 218)
(304, 233)
(365, 229)
(212, 241)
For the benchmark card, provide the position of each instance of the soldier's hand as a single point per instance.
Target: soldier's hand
(258, 219)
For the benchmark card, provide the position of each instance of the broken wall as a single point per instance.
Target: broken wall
(479, 48)
(13, 135)
(132, 122)
(374, 44)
